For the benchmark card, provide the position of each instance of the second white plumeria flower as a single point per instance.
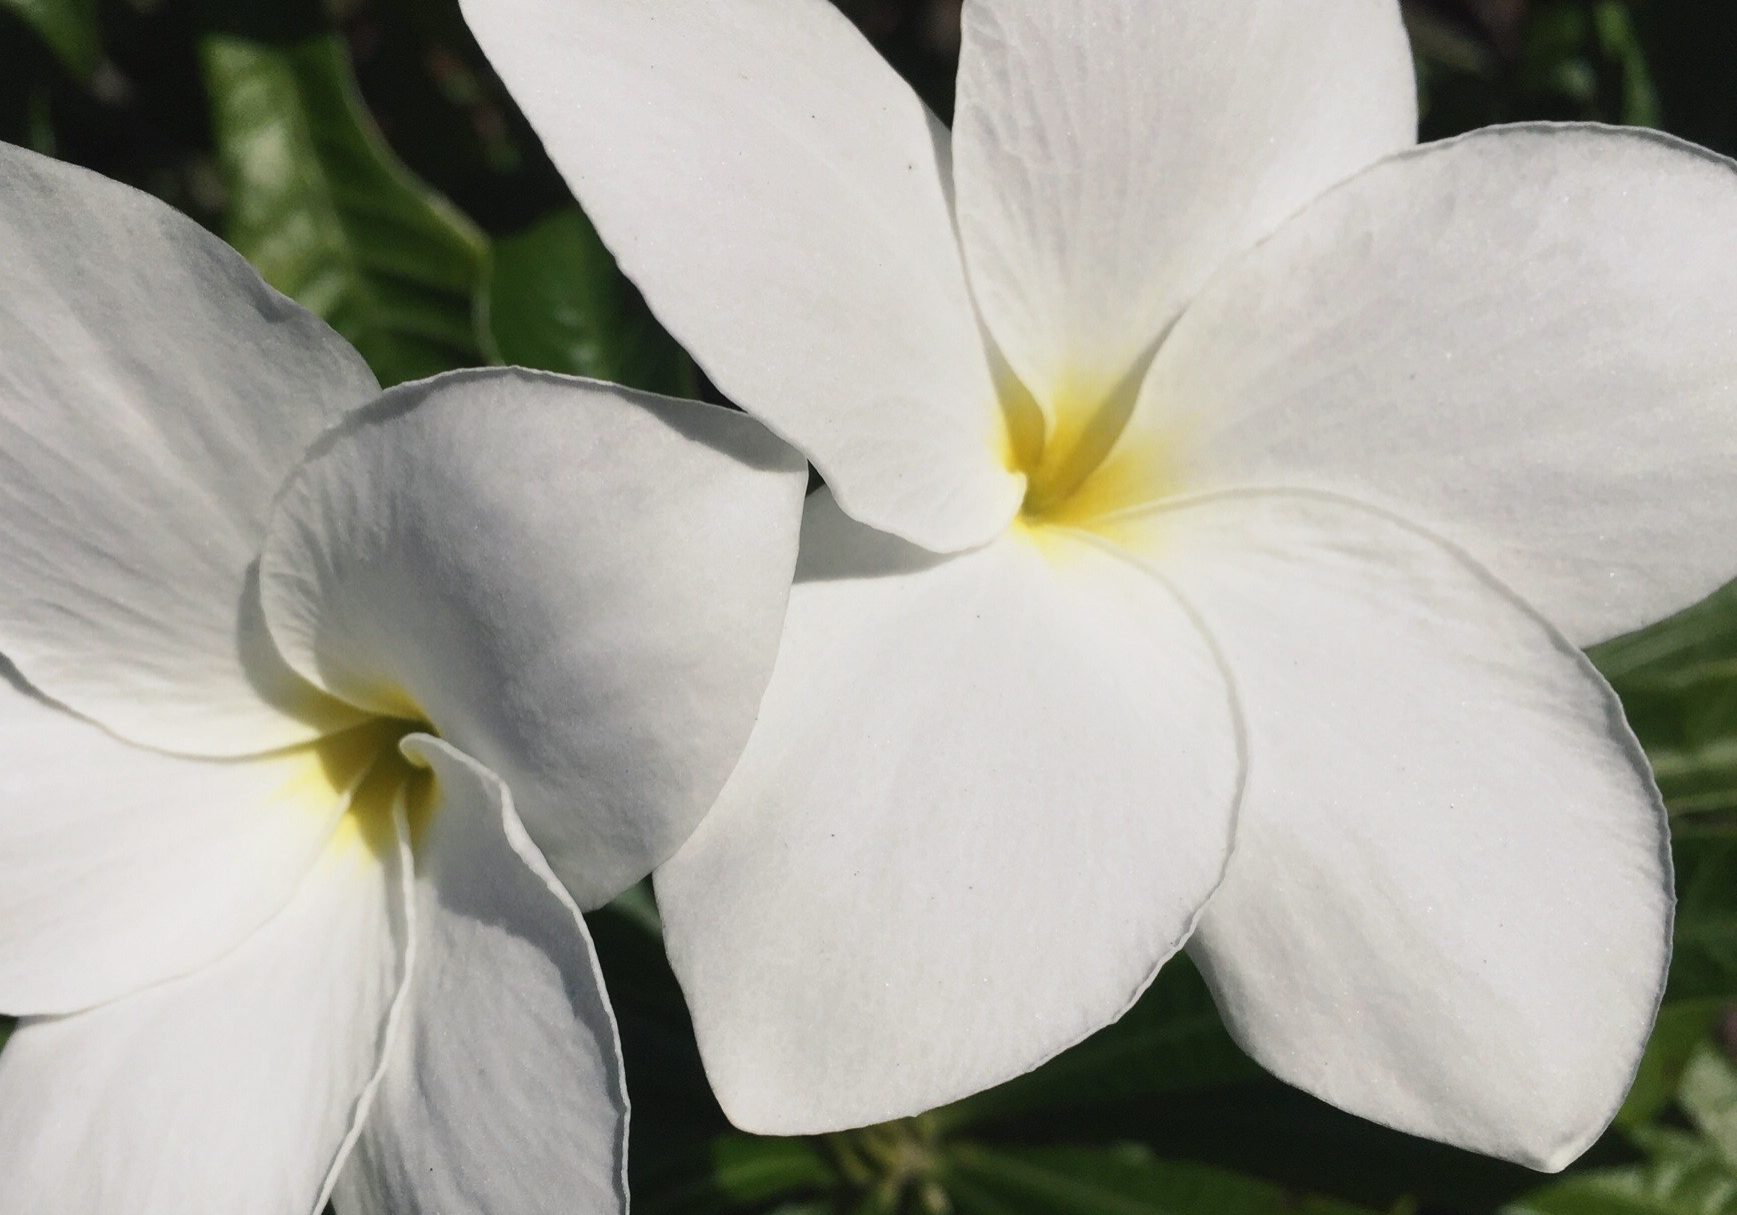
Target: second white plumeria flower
(1152, 453)
(326, 957)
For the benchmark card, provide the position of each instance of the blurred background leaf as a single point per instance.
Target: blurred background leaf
(331, 218)
(554, 301)
(364, 156)
(69, 27)
(1681, 1175)
(1110, 1181)
(1171, 1042)
(1684, 1029)
(1678, 683)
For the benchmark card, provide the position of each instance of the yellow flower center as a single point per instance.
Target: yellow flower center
(361, 776)
(1082, 465)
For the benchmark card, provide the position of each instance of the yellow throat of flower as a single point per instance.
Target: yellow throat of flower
(361, 776)
(1081, 463)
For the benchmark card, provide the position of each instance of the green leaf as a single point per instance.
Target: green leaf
(1682, 1175)
(330, 217)
(1171, 1041)
(1704, 965)
(886, 1201)
(753, 1170)
(638, 906)
(1708, 1095)
(1678, 683)
(1110, 1181)
(742, 1172)
(1681, 1032)
(1169, 1078)
(556, 301)
(1619, 44)
(1582, 59)
(69, 27)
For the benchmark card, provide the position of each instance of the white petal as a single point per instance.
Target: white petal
(1111, 153)
(984, 802)
(153, 395)
(779, 194)
(1450, 904)
(506, 992)
(1526, 338)
(124, 867)
(580, 586)
(234, 1089)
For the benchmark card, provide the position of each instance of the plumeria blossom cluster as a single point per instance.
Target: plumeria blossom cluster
(326, 712)
(1218, 489)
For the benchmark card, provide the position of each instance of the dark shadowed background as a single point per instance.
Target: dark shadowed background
(366, 160)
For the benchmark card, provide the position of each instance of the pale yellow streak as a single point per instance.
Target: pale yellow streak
(1090, 472)
(355, 780)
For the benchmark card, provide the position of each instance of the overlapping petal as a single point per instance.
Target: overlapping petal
(1523, 338)
(506, 1003)
(1450, 903)
(1112, 153)
(986, 798)
(234, 1089)
(580, 586)
(125, 867)
(780, 196)
(153, 395)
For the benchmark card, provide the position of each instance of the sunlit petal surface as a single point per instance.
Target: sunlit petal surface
(985, 800)
(579, 586)
(234, 1089)
(1450, 904)
(780, 196)
(153, 395)
(1525, 338)
(125, 867)
(1111, 153)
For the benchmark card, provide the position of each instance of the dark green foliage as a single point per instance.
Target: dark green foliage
(365, 158)
(330, 217)
(552, 300)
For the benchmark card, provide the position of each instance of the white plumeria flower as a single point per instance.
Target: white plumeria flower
(1172, 486)
(324, 957)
